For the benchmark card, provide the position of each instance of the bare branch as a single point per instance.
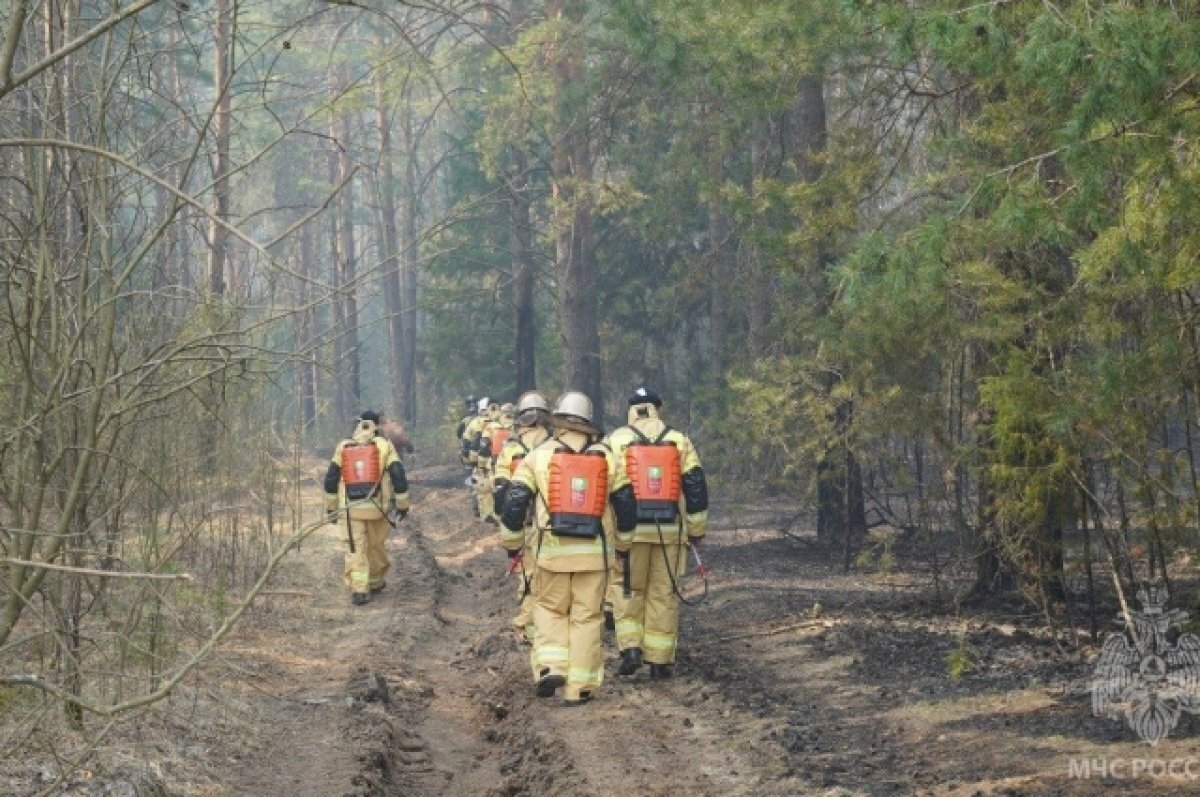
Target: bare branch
(87, 571)
(11, 83)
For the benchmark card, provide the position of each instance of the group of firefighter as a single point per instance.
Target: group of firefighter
(598, 526)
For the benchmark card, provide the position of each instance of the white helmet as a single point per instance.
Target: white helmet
(483, 404)
(532, 400)
(574, 403)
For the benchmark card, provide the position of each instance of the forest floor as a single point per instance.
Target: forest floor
(793, 679)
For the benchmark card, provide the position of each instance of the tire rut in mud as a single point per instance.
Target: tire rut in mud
(443, 704)
(641, 737)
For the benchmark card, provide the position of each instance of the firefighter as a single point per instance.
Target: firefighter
(532, 428)
(472, 426)
(570, 479)
(364, 485)
(491, 427)
(470, 448)
(495, 435)
(672, 513)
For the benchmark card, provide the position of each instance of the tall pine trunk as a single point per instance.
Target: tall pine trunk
(521, 242)
(571, 177)
(409, 259)
(389, 245)
(338, 372)
(841, 509)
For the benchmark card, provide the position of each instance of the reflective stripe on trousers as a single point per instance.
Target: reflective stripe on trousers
(568, 616)
(649, 618)
(368, 566)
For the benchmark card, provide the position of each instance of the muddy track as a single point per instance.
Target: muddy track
(792, 679)
(426, 691)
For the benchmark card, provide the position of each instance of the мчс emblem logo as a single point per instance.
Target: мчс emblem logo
(1143, 676)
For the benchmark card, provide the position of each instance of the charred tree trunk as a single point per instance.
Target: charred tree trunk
(993, 567)
(841, 511)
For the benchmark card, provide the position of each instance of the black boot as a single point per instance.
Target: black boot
(610, 622)
(583, 699)
(359, 598)
(548, 684)
(660, 671)
(631, 660)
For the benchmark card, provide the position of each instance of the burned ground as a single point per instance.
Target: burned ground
(793, 679)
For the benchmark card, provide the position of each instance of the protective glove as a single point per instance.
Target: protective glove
(331, 516)
(512, 554)
(623, 557)
(695, 542)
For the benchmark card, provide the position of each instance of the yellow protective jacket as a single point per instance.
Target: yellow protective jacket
(531, 483)
(461, 433)
(693, 495)
(470, 437)
(515, 448)
(393, 482)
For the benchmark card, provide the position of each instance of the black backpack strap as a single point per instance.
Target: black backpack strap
(666, 430)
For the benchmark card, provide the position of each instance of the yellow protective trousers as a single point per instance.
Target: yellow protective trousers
(570, 628)
(523, 622)
(367, 566)
(612, 596)
(649, 618)
(483, 492)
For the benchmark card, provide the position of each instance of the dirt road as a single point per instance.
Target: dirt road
(791, 681)
(426, 690)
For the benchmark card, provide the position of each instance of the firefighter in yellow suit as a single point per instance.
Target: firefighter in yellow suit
(672, 513)
(483, 461)
(470, 448)
(532, 428)
(572, 477)
(491, 442)
(365, 483)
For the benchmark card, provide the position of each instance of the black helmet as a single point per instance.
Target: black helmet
(644, 395)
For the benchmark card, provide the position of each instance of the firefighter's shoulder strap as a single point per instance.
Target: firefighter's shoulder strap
(564, 444)
(644, 439)
(515, 439)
